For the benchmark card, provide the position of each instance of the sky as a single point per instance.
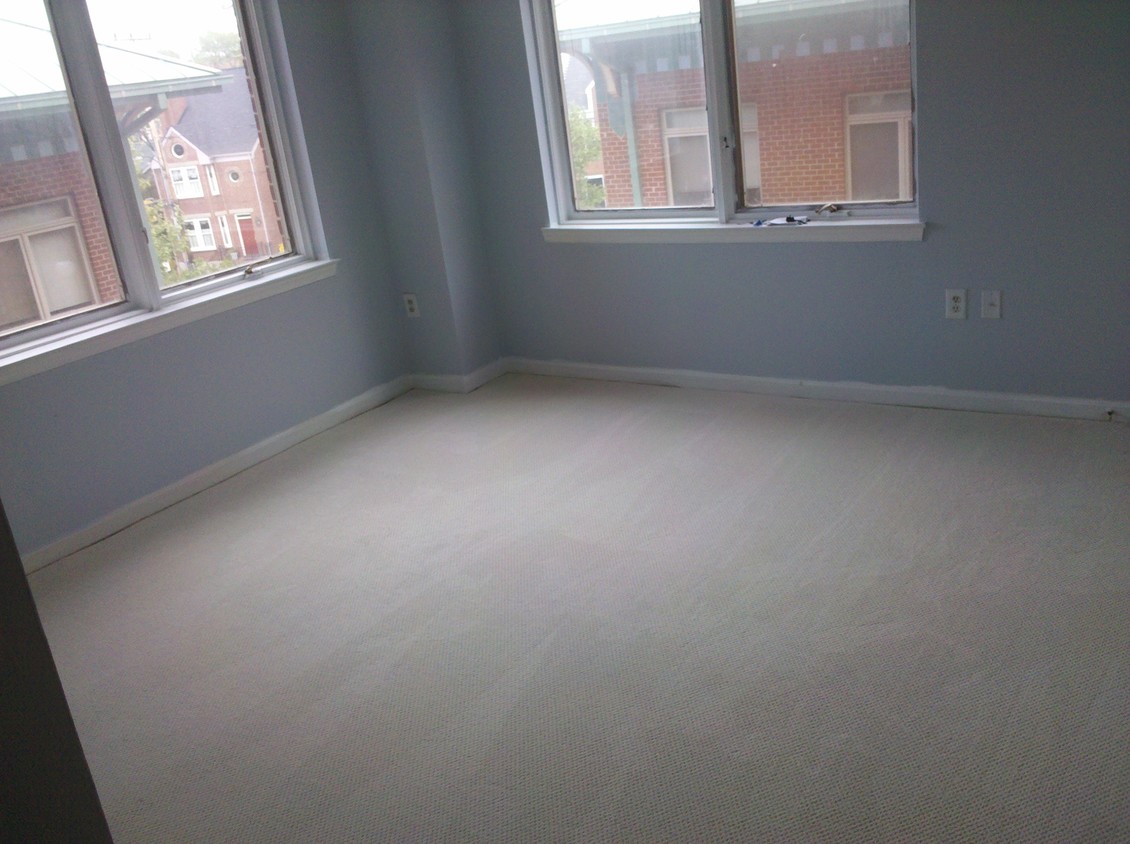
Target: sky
(151, 26)
(573, 14)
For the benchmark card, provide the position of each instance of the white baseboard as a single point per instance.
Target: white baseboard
(459, 383)
(211, 475)
(223, 469)
(933, 397)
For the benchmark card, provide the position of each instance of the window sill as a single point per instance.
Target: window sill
(22, 361)
(703, 231)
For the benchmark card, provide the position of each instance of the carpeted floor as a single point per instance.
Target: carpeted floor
(563, 610)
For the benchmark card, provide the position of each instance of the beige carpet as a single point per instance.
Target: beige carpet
(558, 610)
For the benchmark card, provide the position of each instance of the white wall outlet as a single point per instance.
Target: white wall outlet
(411, 306)
(955, 304)
(990, 304)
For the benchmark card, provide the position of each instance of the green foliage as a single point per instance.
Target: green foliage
(219, 49)
(169, 240)
(584, 148)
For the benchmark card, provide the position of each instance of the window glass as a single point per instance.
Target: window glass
(622, 64)
(184, 95)
(806, 67)
(55, 254)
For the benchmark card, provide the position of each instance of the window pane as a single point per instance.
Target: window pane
(184, 95)
(45, 180)
(690, 170)
(57, 255)
(875, 161)
(17, 300)
(804, 65)
(623, 65)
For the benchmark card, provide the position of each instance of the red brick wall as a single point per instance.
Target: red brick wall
(800, 107)
(38, 179)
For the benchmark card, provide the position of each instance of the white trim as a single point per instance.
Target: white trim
(65, 347)
(221, 470)
(459, 383)
(189, 178)
(198, 230)
(225, 230)
(228, 467)
(927, 397)
(209, 476)
(705, 231)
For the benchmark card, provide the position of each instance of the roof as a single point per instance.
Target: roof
(31, 77)
(223, 122)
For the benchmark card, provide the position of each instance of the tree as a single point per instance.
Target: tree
(169, 240)
(584, 148)
(219, 49)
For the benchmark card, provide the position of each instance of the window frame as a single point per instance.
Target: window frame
(189, 176)
(23, 237)
(148, 308)
(855, 221)
(198, 229)
(905, 127)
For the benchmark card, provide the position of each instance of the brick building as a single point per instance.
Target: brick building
(824, 90)
(208, 161)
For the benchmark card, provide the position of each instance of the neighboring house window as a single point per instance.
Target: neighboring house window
(687, 157)
(44, 268)
(200, 237)
(97, 253)
(879, 146)
(678, 132)
(186, 182)
(225, 231)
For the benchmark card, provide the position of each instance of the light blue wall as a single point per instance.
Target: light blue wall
(420, 154)
(82, 440)
(1023, 148)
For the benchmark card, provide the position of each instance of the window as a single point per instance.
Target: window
(879, 146)
(687, 156)
(724, 109)
(200, 237)
(45, 271)
(225, 231)
(186, 182)
(99, 219)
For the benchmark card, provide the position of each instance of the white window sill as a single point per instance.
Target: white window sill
(704, 231)
(65, 347)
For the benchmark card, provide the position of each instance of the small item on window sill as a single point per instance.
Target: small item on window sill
(828, 208)
(783, 221)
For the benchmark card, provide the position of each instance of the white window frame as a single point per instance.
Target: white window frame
(23, 236)
(186, 181)
(225, 231)
(902, 120)
(728, 220)
(213, 183)
(150, 309)
(201, 237)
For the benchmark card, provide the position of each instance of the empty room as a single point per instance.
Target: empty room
(561, 420)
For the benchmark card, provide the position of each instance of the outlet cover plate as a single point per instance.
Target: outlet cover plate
(955, 303)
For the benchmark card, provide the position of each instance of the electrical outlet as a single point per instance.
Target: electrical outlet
(955, 304)
(411, 306)
(990, 304)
